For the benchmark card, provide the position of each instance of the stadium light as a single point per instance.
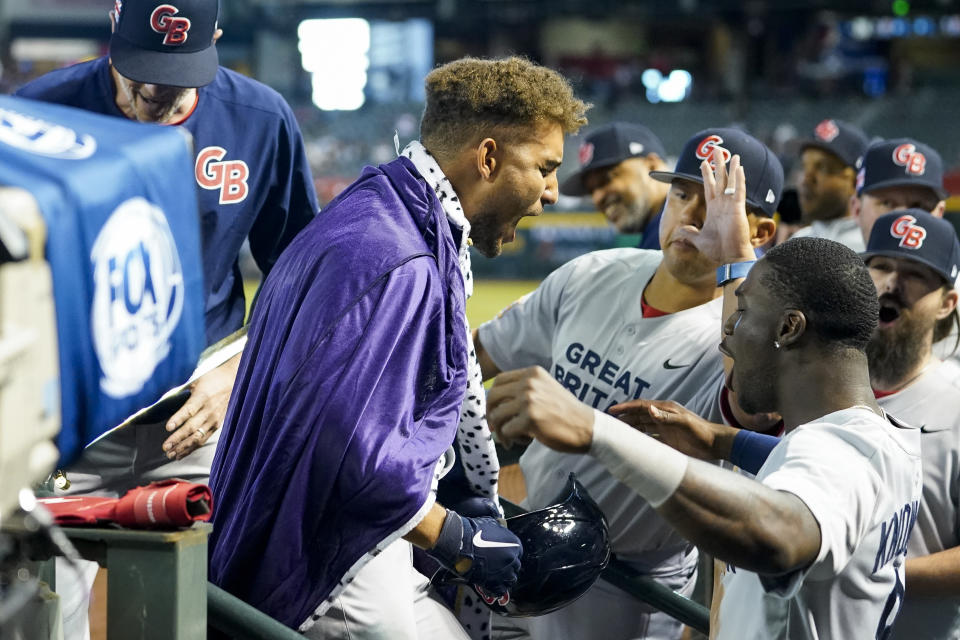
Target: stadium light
(335, 52)
(673, 88)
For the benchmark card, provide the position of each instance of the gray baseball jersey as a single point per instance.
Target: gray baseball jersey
(949, 347)
(860, 475)
(932, 403)
(846, 231)
(585, 325)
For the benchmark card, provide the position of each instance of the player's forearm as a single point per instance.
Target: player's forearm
(937, 574)
(232, 365)
(425, 534)
(740, 521)
(487, 368)
(733, 518)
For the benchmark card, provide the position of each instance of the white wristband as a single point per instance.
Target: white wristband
(651, 468)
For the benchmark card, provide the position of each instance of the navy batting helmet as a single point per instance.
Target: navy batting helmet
(565, 547)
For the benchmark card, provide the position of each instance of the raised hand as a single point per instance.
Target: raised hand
(725, 235)
(530, 403)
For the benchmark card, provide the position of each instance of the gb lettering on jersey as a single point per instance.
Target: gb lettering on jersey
(228, 176)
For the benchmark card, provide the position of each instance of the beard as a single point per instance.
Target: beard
(159, 107)
(485, 231)
(895, 352)
(628, 218)
(826, 207)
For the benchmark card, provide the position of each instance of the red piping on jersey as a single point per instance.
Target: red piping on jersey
(651, 312)
(727, 413)
(193, 107)
(883, 394)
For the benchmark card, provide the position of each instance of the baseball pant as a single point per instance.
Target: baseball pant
(388, 600)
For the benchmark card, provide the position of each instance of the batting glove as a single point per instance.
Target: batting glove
(481, 550)
(475, 506)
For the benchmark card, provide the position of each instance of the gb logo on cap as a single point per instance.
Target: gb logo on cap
(910, 233)
(907, 156)
(827, 130)
(706, 148)
(586, 153)
(163, 20)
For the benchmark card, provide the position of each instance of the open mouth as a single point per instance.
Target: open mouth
(889, 312)
(724, 350)
(728, 378)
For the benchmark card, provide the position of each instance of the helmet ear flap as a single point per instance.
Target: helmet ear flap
(565, 547)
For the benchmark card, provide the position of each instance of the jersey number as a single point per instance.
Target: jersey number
(891, 608)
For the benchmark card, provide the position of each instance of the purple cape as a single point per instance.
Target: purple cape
(348, 393)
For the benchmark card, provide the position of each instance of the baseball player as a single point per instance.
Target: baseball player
(349, 392)
(903, 173)
(913, 258)
(788, 218)
(253, 177)
(830, 159)
(254, 184)
(817, 541)
(900, 173)
(621, 324)
(615, 164)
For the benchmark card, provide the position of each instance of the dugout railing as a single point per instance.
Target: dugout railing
(231, 615)
(157, 586)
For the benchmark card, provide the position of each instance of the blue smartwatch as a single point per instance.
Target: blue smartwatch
(733, 271)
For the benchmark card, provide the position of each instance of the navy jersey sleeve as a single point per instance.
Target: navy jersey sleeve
(292, 201)
(86, 85)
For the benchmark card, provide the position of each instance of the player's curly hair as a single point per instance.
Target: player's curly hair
(471, 98)
(830, 284)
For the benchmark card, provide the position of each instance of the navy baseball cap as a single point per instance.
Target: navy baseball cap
(609, 145)
(168, 43)
(901, 162)
(842, 139)
(915, 234)
(763, 171)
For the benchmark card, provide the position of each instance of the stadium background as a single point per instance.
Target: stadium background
(353, 72)
(773, 67)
